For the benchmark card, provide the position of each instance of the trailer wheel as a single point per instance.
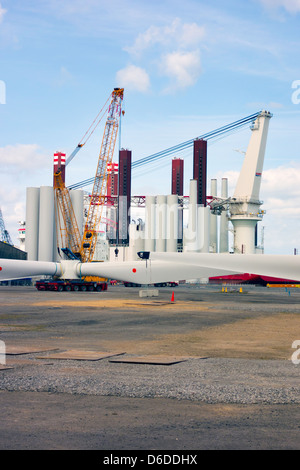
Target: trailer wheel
(60, 288)
(83, 288)
(68, 288)
(91, 288)
(76, 288)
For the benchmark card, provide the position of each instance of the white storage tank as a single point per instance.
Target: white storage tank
(203, 229)
(190, 233)
(32, 223)
(161, 223)
(214, 220)
(224, 245)
(46, 224)
(150, 212)
(172, 223)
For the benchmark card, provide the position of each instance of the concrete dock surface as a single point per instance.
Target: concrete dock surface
(112, 371)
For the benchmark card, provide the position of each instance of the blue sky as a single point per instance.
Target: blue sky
(186, 67)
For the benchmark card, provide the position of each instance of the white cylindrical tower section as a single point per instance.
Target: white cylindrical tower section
(244, 236)
(32, 223)
(150, 212)
(161, 223)
(214, 220)
(203, 229)
(190, 234)
(172, 223)
(46, 224)
(224, 220)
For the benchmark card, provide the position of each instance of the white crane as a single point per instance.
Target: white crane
(245, 205)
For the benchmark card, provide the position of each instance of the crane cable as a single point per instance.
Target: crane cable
(189, 143)
(236, 125)
(89, 135)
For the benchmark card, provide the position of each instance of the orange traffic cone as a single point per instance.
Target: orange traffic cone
(172, 298)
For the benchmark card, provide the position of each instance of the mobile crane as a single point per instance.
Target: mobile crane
(75, 246)
(89, 238)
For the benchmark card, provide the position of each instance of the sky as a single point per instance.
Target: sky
(186, 68)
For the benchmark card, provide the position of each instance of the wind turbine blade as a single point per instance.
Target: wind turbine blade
(20, 269)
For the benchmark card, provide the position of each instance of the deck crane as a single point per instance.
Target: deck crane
(96, 205)
(244, 207)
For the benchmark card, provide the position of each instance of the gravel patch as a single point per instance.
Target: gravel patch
(211, 380)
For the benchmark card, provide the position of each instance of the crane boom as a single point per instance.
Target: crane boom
(65, 218)
(74, 153)
(89, 237)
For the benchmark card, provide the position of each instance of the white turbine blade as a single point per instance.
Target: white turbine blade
(20, 269)
(280, 266)
(163, 267)
(154, 272)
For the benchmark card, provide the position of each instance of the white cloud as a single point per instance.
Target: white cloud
(152, 36)
(174, 49)
(280, 193)
(13, 209)
(22, 165)
(292, 6)
(174, 35)
(283, 182)
(280, 189)
(22, 157)
(183, 68)
(64, 77)
(133, 78)
(192, 34)
(2, 13)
